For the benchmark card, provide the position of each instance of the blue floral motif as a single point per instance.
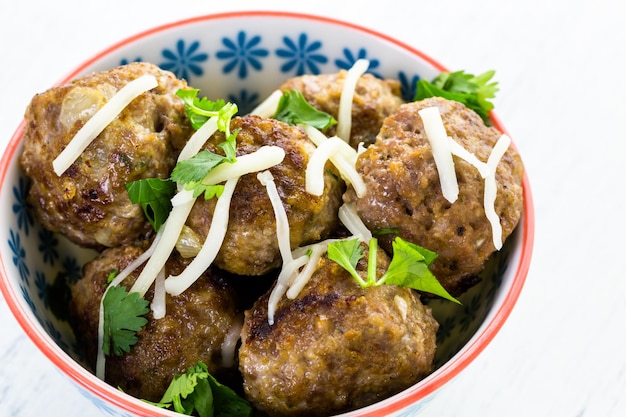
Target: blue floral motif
(125, 61)
(350, 60)
(246, 101)
(241, 53)
(56, 335)
(72, 269)
(184, 60)
(408, 85)
(42, 287)
(470, 312)
(19, 256)
(27, 298)
(21, 208)
(301, 55)
(48, 243)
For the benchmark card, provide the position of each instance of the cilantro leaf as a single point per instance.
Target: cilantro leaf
(347, 254)
(471, 90)
(123, 318)
(294, 109)
(199, 110)
(408, 267)
(154, 195)
(198, 391)
(197, 167)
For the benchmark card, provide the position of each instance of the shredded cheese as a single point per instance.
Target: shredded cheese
(287, 273)
(342, 156)
(200, 136)
(300, 280)
(268, 107)
(175, 285)
(351, 219)
(491, 189)
(158, 300)
(171, 230)
(344, 114)
(438, 139)
(282, 222)
(229, 344)
(470, 158)
(100, 120)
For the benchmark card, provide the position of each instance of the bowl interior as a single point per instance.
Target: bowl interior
(242, 57)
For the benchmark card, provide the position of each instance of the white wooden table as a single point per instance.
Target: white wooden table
(561, 67)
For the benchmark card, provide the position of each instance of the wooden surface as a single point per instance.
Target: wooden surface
(560, 65)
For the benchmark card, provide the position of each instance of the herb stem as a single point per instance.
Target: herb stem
(371, 262)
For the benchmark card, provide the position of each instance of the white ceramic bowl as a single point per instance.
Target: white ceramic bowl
(244, 57)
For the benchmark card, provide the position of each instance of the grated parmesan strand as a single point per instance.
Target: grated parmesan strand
(198, 139)
(288, 271)
(158, 300)
(340, 154)
(171, 230)
(344, 115)
(438, 139)
(282, 222)
(100, 120)
(491, 189)
(470, 158)
(268, 107)
(351, 219)
(300, 280)
(175, 285)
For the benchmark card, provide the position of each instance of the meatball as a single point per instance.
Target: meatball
(88, 203)
(404, 193)
(250, 246)
(194, 328)
(336, 346)
(374, 99)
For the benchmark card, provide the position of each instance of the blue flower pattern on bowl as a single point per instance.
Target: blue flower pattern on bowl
(242, 55)
(185, 60)
(302, 55)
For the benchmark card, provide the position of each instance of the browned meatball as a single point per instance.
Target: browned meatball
(250, 246)
(336, 346)
(89, 203)
(374, 99)
(403, 191)
(193, 329)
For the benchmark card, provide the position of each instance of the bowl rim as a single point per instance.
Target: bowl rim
(420, 391)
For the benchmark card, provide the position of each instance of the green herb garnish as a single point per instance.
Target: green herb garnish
(199, 392)
(294, 109)
(408, 266)
(471, 90)
(123, 318)
(154, 195)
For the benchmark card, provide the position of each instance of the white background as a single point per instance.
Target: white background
(561, 69)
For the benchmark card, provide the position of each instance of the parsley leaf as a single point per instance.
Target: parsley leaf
(197, 167)
(198, 391)
(347, 253)
(294, 109)
(123, 317)
(471, 90)
(154, 195)
(199, 110)
(408, 266)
